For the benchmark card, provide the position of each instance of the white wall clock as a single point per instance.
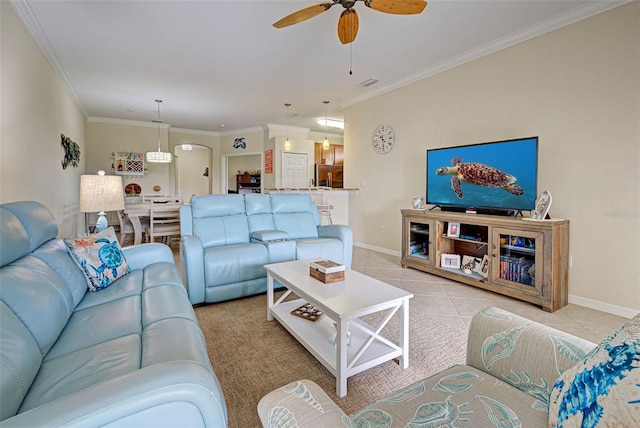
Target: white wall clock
(383, 139)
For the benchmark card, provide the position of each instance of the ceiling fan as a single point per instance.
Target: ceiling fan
(348, 22)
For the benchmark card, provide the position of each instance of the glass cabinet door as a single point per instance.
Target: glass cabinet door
(418, 240)
(517, 260)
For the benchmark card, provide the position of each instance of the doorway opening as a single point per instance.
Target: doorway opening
(193, 171)
(247, 165)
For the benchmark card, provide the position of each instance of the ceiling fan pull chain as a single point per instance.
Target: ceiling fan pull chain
(350, 59)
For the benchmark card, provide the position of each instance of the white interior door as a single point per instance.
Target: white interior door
(295, 171)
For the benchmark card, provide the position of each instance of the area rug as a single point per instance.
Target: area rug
(252, 356)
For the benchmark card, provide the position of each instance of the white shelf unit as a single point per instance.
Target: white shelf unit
(128, 164)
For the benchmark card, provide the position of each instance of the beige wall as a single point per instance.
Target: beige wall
(578, 89)
(105, 138)
(36, 108)
(206, 139)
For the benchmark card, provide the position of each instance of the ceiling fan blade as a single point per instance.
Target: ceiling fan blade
(348, 26)
(302, 15)
(397, 7)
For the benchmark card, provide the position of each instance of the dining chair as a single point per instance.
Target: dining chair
(126, 227)
(164, 222)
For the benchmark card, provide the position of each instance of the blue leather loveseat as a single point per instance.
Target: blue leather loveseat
(131, 354)
(227, 239)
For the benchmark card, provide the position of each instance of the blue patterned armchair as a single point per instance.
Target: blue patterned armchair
(517, 373)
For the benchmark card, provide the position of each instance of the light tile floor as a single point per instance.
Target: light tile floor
(454, 303)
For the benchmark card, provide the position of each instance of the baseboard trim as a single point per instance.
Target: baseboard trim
(602, 306)
(378, 249)
(573, 299)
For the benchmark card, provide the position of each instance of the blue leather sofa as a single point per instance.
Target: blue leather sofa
(227, 239)
(129, 355)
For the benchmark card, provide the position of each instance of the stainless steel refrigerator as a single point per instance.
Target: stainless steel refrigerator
(329, 176)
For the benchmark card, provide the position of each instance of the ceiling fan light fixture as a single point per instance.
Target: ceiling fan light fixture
(159, 156)
(348, 23)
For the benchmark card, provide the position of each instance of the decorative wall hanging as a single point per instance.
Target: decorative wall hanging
(240, 143)
(71, 152)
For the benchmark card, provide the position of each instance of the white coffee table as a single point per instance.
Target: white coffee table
(343, 303)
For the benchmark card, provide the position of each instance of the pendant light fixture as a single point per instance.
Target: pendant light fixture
(159, 156)
(326, 144)
(287, 142)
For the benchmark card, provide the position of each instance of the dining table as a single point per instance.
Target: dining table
(140, 210)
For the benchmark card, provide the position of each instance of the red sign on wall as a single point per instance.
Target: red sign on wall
(268, 161)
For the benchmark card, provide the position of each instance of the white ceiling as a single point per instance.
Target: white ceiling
(223, 63)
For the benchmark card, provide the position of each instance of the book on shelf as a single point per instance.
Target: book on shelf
(327, 266)
(516, 269)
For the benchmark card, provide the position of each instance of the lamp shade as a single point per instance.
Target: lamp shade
(158, 157)
(101, 193)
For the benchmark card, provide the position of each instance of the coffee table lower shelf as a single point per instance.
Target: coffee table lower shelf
(318, 338)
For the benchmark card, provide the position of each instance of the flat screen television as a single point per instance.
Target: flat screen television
(500, 175)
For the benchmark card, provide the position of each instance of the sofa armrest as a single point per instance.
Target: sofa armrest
(524, 353)
(269, 235)
(301, 403)
(344, 234)
(192, 267)
(141, 256)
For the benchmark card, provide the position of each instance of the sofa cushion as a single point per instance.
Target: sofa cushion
(99, 257)
(38, 222)
(297, 225)
(54, 254)
(604, 389)
(21, 359)
(234, 263)
(38, 297)
(258, 208)
(257, 203)
(217, 205)
(15, 241)
(221, 231)
(326, 248)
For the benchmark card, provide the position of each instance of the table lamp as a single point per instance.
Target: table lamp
(101, 193)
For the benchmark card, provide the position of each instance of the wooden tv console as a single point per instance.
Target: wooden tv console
(524, 259)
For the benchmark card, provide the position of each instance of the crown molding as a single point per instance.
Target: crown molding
(570, 17)
(242, 131)
(275, 127)
(141, 124)
(194, 132)
(33, 26)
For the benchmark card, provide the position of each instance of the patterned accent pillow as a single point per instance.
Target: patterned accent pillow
(604, 389)
(99, 257)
